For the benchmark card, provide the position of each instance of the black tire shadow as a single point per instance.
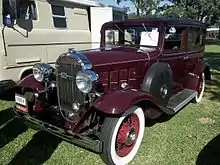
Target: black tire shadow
(11, 130)
(163, 118)
(212, 59)
(210, 154)
(8, 95)
(38, 150)
(5, 116)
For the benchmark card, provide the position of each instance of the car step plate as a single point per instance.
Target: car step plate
(180, 99)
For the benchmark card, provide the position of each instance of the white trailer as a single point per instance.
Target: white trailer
(40, 30)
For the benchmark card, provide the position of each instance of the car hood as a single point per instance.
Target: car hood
(110, 57)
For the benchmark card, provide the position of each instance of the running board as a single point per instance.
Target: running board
(179, 100)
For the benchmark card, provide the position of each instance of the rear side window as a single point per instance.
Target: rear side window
(195, 38)
(174, 39)
(59, 18)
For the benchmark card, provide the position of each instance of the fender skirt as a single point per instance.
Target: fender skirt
(31, 82)
(118, 102)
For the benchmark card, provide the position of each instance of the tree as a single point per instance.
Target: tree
(136, 4)
(148, 7)
(143, 7)
(201, 10)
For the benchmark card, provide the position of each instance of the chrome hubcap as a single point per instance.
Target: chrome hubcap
(131, 136)
(163, 91)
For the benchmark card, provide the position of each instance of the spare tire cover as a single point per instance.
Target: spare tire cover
(158, 82)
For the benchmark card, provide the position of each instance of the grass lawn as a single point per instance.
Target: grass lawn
(190, 137)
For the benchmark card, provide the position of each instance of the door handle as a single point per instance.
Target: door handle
(186, 57)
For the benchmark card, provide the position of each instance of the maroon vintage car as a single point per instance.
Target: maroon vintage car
(100, 99)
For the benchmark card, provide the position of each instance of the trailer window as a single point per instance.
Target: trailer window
(59, 18)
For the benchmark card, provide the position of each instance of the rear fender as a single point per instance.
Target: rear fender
(201, 67)
(118, 102)
(192, 79)
(31, 82)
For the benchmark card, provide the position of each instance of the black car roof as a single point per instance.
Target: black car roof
(165, 20)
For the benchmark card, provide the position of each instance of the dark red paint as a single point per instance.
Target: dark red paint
(116, 102)
(31, 82)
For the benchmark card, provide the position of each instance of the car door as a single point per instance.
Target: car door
(195, 47)
(174, 54)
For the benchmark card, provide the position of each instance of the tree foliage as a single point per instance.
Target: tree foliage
(201, 10)
(207, 11)
(143, 7)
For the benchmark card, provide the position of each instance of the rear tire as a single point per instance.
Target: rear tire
(122, 136)
(200, 89)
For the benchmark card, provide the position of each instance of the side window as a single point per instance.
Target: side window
(195, 38)
(174, 39)
(59, 18)
(27, 10)
(111, 37)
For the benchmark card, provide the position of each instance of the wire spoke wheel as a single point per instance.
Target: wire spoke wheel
(122, 136)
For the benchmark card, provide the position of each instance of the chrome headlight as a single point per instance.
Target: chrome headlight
(41, 71)
(85, 79)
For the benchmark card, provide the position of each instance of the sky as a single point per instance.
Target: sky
(112, 2)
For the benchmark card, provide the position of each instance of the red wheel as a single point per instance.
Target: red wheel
(201, 88)
(122, 137)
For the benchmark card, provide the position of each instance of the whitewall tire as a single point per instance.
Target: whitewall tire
(122, 136)
(200, 90)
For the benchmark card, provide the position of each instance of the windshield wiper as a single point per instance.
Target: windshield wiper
(146, 30)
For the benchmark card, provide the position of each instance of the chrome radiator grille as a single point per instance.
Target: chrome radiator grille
(66, 86)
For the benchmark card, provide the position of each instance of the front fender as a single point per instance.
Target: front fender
(119, 101)
(31, 82)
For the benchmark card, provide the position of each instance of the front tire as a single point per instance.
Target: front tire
(122, 136)
(200, 90)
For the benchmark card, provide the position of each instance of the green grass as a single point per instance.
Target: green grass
(190, 137)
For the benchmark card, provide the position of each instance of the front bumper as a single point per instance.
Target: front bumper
(79, 140)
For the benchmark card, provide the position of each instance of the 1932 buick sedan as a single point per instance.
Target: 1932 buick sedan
(100, 99)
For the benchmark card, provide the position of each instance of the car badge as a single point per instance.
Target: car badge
(63, 75)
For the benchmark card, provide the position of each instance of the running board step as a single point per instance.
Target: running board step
(179, 100)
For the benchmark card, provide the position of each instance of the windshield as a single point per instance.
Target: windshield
(138, 36)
